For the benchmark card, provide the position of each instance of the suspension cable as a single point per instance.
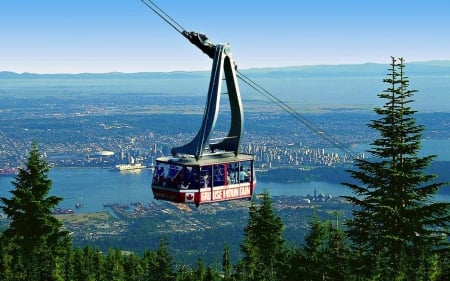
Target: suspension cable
(164, 16)
(310, 125)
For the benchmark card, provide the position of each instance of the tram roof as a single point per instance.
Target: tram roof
(208, 159)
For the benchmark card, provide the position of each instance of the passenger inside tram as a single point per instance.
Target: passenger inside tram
(208, 176)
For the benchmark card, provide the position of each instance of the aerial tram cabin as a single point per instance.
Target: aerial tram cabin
(210, 179)
(201, 172)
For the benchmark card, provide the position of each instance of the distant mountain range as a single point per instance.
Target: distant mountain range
(423, 68)
(113, 75)
(353, 84)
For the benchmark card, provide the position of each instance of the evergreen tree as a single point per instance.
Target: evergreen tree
(34, 232)
(314, 250)
(10, 265)
(184, 273)
(98, 265)
(395, 216)
(133, 268)
(200, 270)
(297, 267)
(264, 244)
(159, 265)
(444, 265)
(65, 259)
(148, 263)
(80, 266)
(325, 253)
(226, 263)
(336, 254)
(212, 275)
(115, 266)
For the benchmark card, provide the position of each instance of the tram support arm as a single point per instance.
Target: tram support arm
(201, 41)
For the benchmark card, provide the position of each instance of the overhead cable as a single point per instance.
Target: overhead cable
(283, 105)
(313, 127)
(163, 15)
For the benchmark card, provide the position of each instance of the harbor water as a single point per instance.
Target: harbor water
(92, 188)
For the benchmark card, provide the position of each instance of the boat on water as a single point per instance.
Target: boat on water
(60, 211)
(8, 172)
(129, 167)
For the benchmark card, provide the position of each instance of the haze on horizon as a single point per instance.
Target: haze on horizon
(51, 36)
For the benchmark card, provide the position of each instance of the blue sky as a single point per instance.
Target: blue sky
(56, 36)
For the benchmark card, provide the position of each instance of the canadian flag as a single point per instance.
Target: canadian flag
(189, 197)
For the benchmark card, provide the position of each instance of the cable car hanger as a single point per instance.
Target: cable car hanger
(203, 43)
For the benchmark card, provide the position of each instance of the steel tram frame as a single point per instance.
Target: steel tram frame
(202, 172)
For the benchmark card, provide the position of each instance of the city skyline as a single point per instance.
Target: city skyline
(105, 36)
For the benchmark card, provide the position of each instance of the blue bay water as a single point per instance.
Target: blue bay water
(93, 187)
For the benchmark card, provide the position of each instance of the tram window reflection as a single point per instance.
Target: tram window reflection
(159, 174)
(233, 172)
(205, 176)
(244, 171)
(186, 175)
(219, 175)
(167, 175)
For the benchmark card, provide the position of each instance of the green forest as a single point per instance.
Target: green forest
(396, 231)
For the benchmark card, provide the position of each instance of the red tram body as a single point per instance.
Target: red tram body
(212, 178)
